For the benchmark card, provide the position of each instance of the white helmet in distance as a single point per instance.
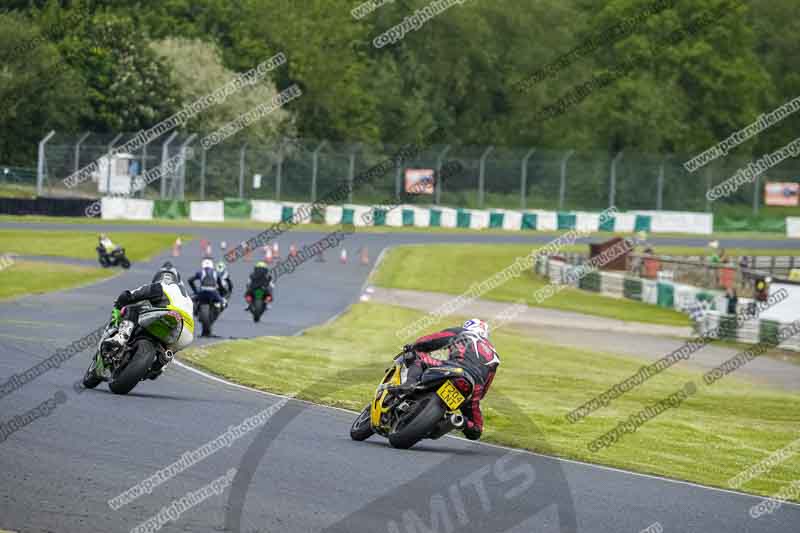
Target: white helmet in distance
(477, 326)
(207, 263)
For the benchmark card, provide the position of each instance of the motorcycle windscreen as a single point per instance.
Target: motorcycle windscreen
(164, 325)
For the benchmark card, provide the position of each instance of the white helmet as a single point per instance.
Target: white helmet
(477, 326)
(207, 263)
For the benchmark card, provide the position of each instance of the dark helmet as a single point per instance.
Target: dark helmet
(167, 274)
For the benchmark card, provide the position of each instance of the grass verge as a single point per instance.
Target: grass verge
(458, 266)
(82, 244)
(33, 277)
(711, 437)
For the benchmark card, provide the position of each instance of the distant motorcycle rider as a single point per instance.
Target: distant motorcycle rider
(210, 285)
(470, 349)
(225, 281)
(165, 291)
(261, 278)
(104, 247)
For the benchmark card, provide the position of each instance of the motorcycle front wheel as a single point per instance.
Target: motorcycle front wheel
(124, 262)
(362, 426)
(90, 379)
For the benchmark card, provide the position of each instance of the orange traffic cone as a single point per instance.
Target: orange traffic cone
(343, 256)
(268, 254)
(293, 250)
(248, 253)
(276, 251)
(203, 246)
(176, 248)
(364, 256)
(209, 250)
(223, 246)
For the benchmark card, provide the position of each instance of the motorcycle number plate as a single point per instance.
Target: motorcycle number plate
(450, 396)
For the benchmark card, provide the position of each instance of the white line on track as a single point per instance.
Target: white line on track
(479, 443)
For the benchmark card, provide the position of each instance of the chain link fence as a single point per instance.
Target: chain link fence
(302, 170)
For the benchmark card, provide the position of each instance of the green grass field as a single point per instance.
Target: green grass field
(33, 277)
(81, 244)
(458, 266)
(710, 438)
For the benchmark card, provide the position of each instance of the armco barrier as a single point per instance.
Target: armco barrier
(126, 209)
(207, 211)
(50, 207)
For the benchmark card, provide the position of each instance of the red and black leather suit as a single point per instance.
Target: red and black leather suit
(474, 354)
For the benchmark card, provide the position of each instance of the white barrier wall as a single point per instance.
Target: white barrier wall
(587, 221)
(449, 217)
(358, 214)
(207, 211)
(793, 227)
(478, 219)
(512, 220)
(679, 222)
(545, 220)
(422, 217)
(624, 222)
(333, 215)
(126, 209)
(394, 217)
(266, 211)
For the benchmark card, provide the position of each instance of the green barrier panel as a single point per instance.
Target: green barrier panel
(436, 218)
(529, 221)
(496, 220)
(566, 220)
(463, 218)
(642, 223)
(590, 282)
(606, 224)
(318, 216)
(767, 225)
(728, 327)
(666, 295)
(707, 297)
(632, 288)
(170, 209)
(237, 208)
(287, 213)
(768, 331)
(347, 215)
(408, 217)
(379, 217)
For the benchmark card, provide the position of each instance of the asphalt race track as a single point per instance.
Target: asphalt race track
(300, 472)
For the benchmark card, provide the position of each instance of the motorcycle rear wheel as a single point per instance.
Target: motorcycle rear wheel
(126, 378)
(205, 319)
(362, 426)
(423, 420)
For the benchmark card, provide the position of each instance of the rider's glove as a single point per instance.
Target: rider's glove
(123, 299)
(408, 353)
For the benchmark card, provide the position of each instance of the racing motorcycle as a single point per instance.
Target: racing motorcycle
(257, 303)
(427, 410)
(116, 257)
(124, 367)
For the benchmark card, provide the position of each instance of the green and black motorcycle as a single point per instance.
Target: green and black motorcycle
(144, 355)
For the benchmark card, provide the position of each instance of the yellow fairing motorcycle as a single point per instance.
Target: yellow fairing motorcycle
(407, 413)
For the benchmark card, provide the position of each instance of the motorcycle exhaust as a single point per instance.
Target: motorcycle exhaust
(457, 421)
(165, 357)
